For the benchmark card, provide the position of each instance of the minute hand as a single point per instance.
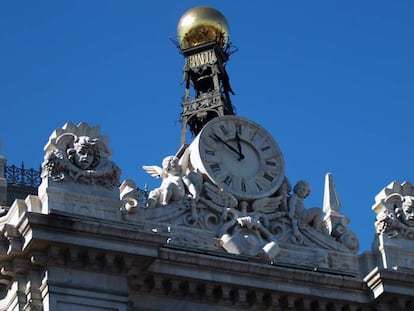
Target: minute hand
(228, 145)
(241, 155)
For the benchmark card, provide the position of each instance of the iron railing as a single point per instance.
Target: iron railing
(20, 176)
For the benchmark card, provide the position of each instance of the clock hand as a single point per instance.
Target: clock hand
(241, 155)
(228, 145)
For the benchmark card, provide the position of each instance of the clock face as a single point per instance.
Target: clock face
(238, 156)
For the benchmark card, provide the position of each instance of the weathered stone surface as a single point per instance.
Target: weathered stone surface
(78, 199)
(81, 244)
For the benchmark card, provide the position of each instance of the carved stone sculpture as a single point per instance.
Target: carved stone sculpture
(245, 228)
(80, 154)
(394, 226)
(336, 223)
(199, 213)
(246, 235)
(297, 210)
(131, 196)
(395, 210)
(175, 185)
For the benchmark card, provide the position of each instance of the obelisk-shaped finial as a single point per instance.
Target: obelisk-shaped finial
(330, 198)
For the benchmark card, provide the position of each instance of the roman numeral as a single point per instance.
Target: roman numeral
(224, 130)
(265, 148)
(243, 186)
(227, 180)
(210, 152)
(268, 177)
(213, 136)
(270, 163)
(215, 167)
(239, 128)
(253, 136)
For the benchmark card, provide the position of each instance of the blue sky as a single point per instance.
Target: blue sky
(332, 81)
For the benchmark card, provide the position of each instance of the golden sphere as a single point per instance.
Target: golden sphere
(200, 25)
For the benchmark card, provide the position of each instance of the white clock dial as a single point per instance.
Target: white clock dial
(239, 156)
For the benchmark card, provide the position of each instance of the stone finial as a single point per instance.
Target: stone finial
(331, 201)
(336, 223)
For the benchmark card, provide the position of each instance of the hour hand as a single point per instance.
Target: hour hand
(218, 138)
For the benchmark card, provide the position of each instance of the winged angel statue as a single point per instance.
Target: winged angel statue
(244, 227)
(176, 184)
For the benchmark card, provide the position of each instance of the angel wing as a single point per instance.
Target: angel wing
(267, 205)
(154, 170)
(219, 197)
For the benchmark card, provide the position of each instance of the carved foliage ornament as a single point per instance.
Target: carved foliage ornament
(395, 210)
(80, 154)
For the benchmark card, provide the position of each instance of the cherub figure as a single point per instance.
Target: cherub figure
(406, 212)
(175, 184)
(80, 154)
(311, 216)
(85, 153)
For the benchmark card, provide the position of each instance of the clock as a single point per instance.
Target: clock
(238, 156)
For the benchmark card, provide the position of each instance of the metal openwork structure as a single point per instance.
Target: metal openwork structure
(21, 176)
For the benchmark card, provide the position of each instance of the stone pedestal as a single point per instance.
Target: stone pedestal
(78, 199)
(394, 252)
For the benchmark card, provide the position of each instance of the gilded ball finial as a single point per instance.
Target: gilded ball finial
(200, 25)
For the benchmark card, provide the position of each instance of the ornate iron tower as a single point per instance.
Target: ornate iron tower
(203, 40)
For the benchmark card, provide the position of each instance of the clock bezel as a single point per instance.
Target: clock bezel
(203, 161)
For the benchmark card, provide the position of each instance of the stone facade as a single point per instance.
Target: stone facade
(84, 243)
(224, 230)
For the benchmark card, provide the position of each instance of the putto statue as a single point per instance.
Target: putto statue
(80, 154)
(176, 184)
(296, 207)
